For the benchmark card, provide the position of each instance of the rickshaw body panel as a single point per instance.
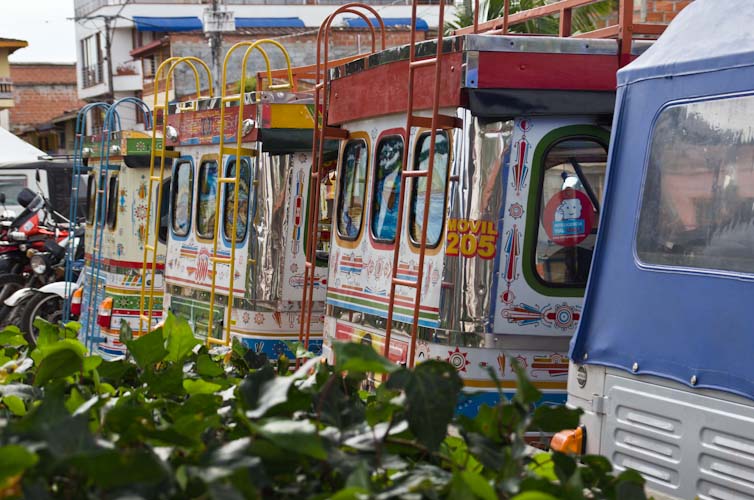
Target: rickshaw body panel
(660, 359)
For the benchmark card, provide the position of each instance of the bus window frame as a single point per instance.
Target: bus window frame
(183, 160)
(356, 138)
(414, 194)
(533, 211)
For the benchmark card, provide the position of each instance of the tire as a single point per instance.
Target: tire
(48, 306)
(9, 284)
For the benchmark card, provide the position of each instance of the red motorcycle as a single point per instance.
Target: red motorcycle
(22, 238)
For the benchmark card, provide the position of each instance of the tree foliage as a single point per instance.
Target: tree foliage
(174, 420)
(584, 19)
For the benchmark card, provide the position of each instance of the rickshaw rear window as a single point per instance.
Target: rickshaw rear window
(207, 193)
(352, 189)
(387, 188)
(162, 236)
(182, 192)
(697, 208)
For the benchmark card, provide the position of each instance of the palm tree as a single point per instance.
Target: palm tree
(587, 18)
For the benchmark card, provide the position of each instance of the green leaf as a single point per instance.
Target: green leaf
(548, 418)
(200, 386)
(113, 468)
(180, 339)
(360, 358)
(298, 350)
(125, 335)
(534, 495)
(297, 436)
(148, 349)
(543, 466)
(48, 333)
(115, 371)
(432, 391)
(168, 381)
(350, 493)
(11, 337)
(251, 388)
(91, 363)
(15, 405)
(14, 460)
(60, 360)
(74, 400)
(526, 392)
(467, 484)
(205, 367)
(359, 478)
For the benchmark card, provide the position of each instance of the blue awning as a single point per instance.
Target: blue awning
(167, 23)
(390, 22)
(269, 22)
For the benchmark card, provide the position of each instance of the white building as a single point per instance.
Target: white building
(129, 30)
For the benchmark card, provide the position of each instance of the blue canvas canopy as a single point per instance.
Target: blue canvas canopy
(389, 22)
(681, 322)
(269, 22)
(166, 24)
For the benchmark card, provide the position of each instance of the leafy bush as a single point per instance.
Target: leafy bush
(177, 421)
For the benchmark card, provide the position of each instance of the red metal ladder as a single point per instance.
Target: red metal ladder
(321, 132)
(434, 123)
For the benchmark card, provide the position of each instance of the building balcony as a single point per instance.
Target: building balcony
(6, 90)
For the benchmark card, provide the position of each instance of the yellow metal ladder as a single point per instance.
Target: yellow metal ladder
(156, 175)
(236, 151)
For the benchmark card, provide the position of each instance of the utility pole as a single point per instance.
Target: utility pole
(215, 23)
(108, 56)
(216, 42)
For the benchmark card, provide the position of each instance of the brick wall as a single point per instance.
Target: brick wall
(42, 92)
(659, 11)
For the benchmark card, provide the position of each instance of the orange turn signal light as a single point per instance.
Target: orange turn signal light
(570, 441)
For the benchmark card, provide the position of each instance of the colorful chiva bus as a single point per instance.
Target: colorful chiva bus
(514, 203)
(116, 221)
(272, 189)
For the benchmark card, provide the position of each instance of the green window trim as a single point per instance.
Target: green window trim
(533, 203)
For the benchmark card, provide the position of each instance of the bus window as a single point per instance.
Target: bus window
(207, 193)
(91, 197)
(243, 200)
(162, 234)
(387, 187)
(570, 197)
(182, 198)
(352, 189)
(437, 196)
(112, 202)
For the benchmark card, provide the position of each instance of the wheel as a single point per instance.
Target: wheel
(47, 306)
(9, 284)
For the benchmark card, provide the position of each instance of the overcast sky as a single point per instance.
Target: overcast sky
(46, 24)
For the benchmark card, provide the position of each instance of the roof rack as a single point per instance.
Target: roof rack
(624, 31)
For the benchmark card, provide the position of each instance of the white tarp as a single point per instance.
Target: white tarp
(13, 149)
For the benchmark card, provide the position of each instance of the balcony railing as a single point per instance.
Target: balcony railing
(92, 75)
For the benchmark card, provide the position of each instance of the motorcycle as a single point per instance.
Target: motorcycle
(29, 234)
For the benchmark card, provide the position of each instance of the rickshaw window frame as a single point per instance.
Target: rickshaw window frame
(169, 182)
(111, 214)
(205, 161)
(91, 199)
